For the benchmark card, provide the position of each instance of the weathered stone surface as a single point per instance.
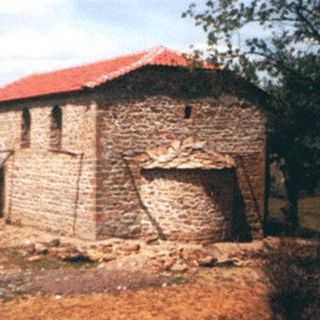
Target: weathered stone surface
(29, 247)
(34, 258)
(151, 238)
(130, 247)
(92, 188)
(109, 257)
(155, 129)
(40, 248)
(106, 248)
(169, 263)
(95, 255)
(50, 190)
(208, 261)
(186, 154)
(179, 267)
(54, 243)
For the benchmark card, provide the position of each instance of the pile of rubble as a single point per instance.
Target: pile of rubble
(154, 257)
(72, 253)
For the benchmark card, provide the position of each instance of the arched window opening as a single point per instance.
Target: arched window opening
(56, 128)
(187, 112)
(25, 129)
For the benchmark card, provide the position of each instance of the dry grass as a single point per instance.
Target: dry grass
(231, 294)
(293, 270)
(309, 211)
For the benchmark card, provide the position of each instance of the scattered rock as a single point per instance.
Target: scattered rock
(29, 247)
(59, 252)
(109, 257)
(226, 262)
(179, 267)
(130, 247)
(168, 263)
(151, 239)
(34, 258)
(106, 248)
(40, 248)
(208, 261)
(192, 254)
(240, 263)
(54, 243)
(95, 255)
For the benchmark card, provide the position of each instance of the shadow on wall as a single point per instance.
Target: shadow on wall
(153, 221)
(241, 230)
(221, 187)
(221, 196)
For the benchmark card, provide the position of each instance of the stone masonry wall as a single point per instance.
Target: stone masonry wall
(50, 189)
(90, 189)
(189, 204)
(147, 109)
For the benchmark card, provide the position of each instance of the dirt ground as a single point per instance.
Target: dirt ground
(217, 295)
(51, 289)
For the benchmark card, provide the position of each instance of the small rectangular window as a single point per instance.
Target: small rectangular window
(187, 112)
(56, 128)
(25, 129)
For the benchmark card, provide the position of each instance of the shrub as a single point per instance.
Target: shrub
(294, 271)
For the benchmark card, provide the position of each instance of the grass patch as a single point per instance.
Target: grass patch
(16, 258)
(294, 272)
(309, 208)
(179, 280)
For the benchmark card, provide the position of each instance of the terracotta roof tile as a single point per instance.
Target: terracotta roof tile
(90, 75)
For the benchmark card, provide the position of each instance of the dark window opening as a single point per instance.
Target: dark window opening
(56, 128)
(187, 112)
(25, 129)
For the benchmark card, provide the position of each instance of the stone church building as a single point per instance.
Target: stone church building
(132, 147)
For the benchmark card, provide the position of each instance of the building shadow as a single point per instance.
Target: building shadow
(276, 227)
(241, 230)
(292, 269)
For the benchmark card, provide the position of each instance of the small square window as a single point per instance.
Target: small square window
(187, 112)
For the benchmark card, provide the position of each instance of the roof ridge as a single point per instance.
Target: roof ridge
(148, 57)
(90, 75)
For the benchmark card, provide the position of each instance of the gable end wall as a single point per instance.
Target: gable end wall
(152, 115)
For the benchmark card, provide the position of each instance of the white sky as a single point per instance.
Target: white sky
(41, 35)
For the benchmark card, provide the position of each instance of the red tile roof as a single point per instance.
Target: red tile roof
(89, 76)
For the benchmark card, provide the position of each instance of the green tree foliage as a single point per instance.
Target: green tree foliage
(281, 53)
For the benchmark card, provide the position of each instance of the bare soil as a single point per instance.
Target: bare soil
(48, 288)
(231, 294)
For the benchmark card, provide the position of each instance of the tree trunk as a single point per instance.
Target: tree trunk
(293, 210)
(292, 190)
